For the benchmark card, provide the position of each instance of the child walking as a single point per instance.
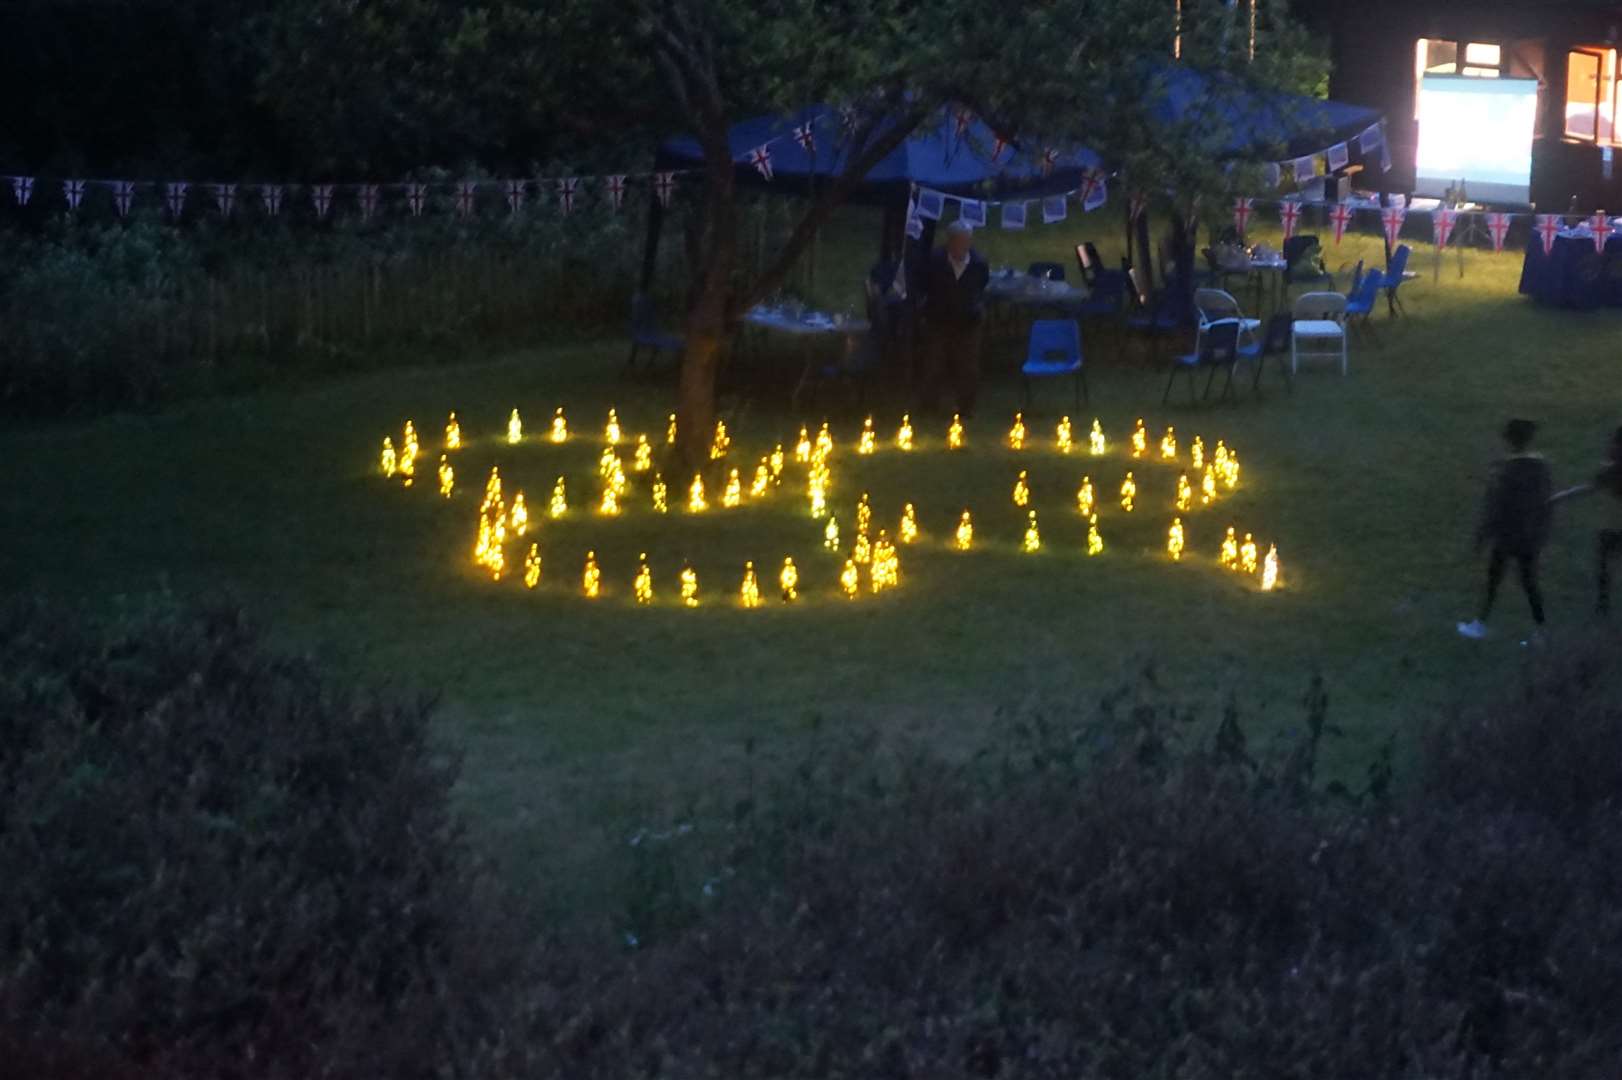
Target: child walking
(1608, 479)
(1515, 522)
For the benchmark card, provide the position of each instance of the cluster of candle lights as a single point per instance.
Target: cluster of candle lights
(1217, 469)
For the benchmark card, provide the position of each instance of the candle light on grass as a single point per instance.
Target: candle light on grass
(749, 590)
(591, 578)
(515, 427)
(965, 532)
(560, 426)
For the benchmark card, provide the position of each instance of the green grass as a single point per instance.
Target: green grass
(579, 717)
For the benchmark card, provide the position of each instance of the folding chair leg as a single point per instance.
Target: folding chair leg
(1209, 379)
(630, 362)
(1227, 386)
(1164, 398)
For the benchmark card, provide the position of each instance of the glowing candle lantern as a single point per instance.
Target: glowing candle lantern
(610, 506)
(695, 496)
(1219, 458)
(850, 580)
(1247, 555)
(642, 460)
(560, 427)
(616, 478)
(1086, 501)
(802, 449)
(762, 481)
(1016, 434)
(1270, 569)
(1061, 435)
(1033, 537)
(1174, 539)
(1129, 492)
(447, 476)
(1228, 557)
(903, 434)
(817, 490)
(749, 591)
(611, 430)
(515, 427)
(1095, 540)
(1185, 493)
(830, 534)
(789, 581)
(954, 434)
(1208, 487)
(868, 442)
(591, 579)
(453, 433)
(1022, 491)
(388, 460)
(1140, 440)
(560, 503)
(776, 463)
(532, 567)
(1196, 454)
(408, 440)
(907, 531)
(408, 468)
(670, 430)
(496, 560)
(886, 569)
(481, 546)
(492, 489)
(519, 515)
(1095, 441)
(1168, 445)
(864, 515)
(642, 586)
(862, 551)
(689, 586)
(825, 443)
(732, 494)
(606, 462)
(721, 443)
(661, 503)
(1230, 471)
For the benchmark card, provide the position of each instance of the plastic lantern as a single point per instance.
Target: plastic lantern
(1196, 454)
(749, 591)
(721, 443)
(1228, 557)
(1033, 537)
(965, 532)
(408, 440)
(611, 430)
(388, 461)
(907, 531)
(864, 515)
(732, 494)
(1219, 458)
(802, 449)
(762, 481)
(817, 490)
(1208, 488)
(868, 442)
(830, 534)
(670, 430)
(954, 434)
(1140, 440)
(560, 427)
(642, 587)
(776, 462)
(515, 427)
(453, 433)
(560, 504)
(408, 468)
(1095, 541)
(591, 578)
(481, 546)
(607, 461)
(903, 434)
(492, 488)
(1185, 493)
(850, 580)
(642, 460)
(1022, 491)
(447, 476)
(1270, 569)
(519, 515)
(1129, 492)
(825, 443)
(1247, 555)
(862, 551)
(1174, 539)
(1230, 471)
(1061, 435)
(661, 495)
(695, 496)
(789, 581)
(689, 586)
(1095, 440)
(532, 567)
(1086, 501)
(1168, 445)
(886, 570)
(610, 505)
(1016, 434)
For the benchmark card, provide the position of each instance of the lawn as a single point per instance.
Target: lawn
(580, 719)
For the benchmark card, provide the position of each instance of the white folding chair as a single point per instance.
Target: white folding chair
(1318, 329)
(1214, 305)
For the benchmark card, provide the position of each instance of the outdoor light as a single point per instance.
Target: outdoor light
(762, 481)
(515, 428)
(1022, 491)
(850, 580)
(591, 578)
(1247, 555)
(660, 502)
(817, 489)
(559, 505)
(1230, 470)
(519, 515)
(532, 567)
(607, 461)
(802, 449)
(611, 430)
(886, 569)
(610, 505)
(1174, 539)
(408, 441)
(1061, 435)
(408, 467)
(486, 535)
(1140, 440)
(732, 495)
(1196, 454)
(749, 591)
(1016, 434)
(1168, 445)
(1208, 488)
(868, 442)
(864, 515)
(721, 443)
(954, 434)
(642, 460)
(862, 551)
(1085, 501)
(1219, 458)
(830, 534)
(1228, 558)
(560, 426)
(447, 476)
(776, 462)
(907, 531)
(1185, 493)
(1033, 538)
(642, 587)
(1270, 569)
(903, 434)
(1095, 542)
(965, 532)
(1095, 440)
(492, 488)
(387, 461)
(789, 581)
(689, 586)
(670, 430)
(825, 443)
(695, 496)
(1129, 492)
(453, 434)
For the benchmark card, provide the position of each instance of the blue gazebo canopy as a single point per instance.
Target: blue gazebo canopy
(1256, 124)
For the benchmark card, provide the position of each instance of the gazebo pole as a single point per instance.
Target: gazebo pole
(650, 244)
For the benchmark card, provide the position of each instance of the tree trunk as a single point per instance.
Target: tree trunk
(709, 321)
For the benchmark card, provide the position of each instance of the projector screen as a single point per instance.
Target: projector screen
(1478, 131)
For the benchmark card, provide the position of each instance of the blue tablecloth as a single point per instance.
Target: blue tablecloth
(1573, 274)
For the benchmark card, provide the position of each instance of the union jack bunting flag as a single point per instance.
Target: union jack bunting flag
(321, 197)
(271, 196)
(123, 195)
(1341, 216)
(761, 158)
(465, 194)
(806, 137)
(368, 201)
(664, 186)
(1498, 227)
(73, 191)
(225, 197)
(515, 195)
(22, 187)
(616, 190)
(1289, 212)
(566, 191)
(174, 197)
(416, 196)
(1549, 226)
(963, 119)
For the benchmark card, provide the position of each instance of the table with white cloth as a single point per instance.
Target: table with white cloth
(812, 329)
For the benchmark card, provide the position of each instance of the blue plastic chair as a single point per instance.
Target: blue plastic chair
(1055, 350)
(1218, 348)
(1395, 274)
(1360, 303)
(646, 334)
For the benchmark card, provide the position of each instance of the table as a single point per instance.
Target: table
(810, 328)
(1573, 274)
(1022, 290)
(1257, 272)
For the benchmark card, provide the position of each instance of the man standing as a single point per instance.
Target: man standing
(954, 286)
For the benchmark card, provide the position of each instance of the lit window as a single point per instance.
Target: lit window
(1483, 55)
